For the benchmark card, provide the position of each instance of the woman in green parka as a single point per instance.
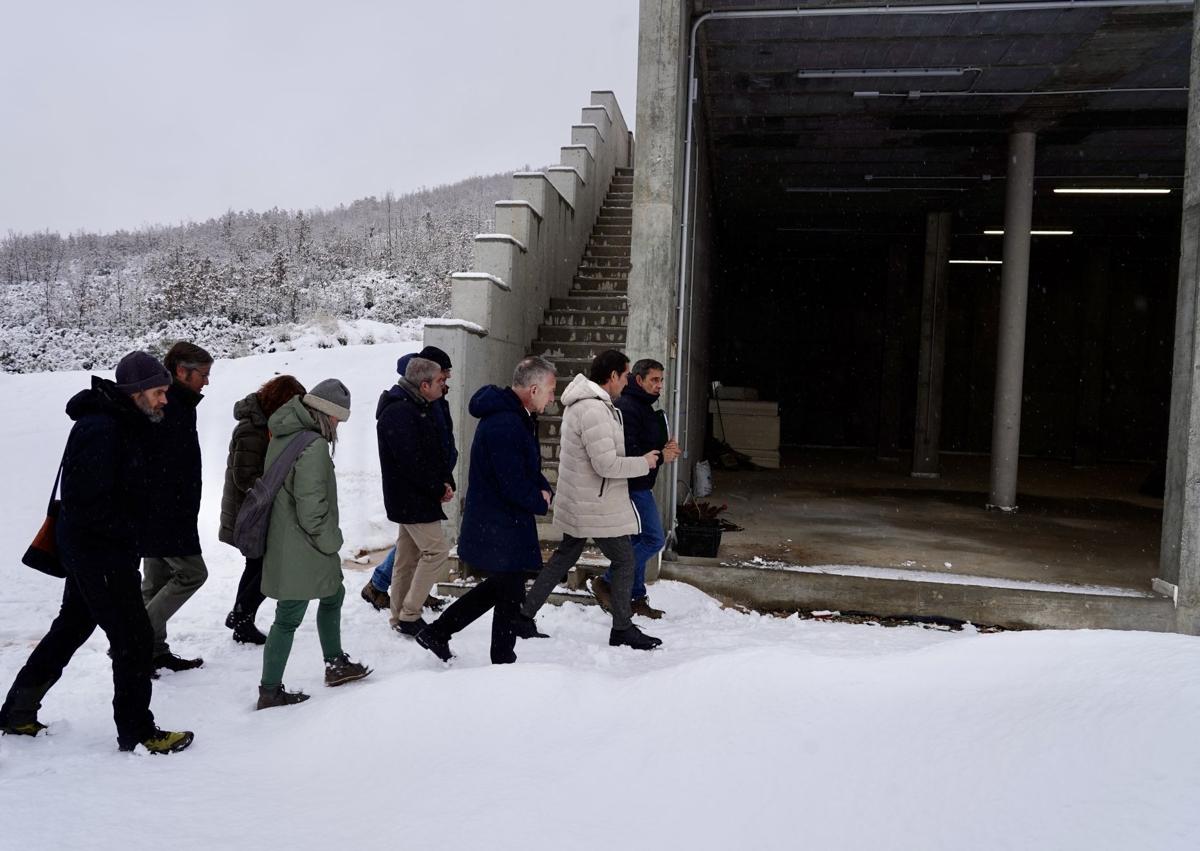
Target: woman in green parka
(302, 562)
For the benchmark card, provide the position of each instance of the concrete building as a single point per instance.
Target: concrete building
(955, 243)
(863, 212)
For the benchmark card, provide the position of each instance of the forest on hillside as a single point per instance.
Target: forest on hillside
(242, 282)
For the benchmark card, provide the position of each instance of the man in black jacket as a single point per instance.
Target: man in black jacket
(173, 568)
(416, 482)
(645, 431)
(99, 524)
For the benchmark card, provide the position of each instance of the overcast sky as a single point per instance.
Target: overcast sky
(123, 113)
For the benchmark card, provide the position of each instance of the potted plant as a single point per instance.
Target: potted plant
(698, 529)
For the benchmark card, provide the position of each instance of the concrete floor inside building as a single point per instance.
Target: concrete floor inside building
(1085, 527)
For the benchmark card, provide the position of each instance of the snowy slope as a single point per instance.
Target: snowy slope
(742, 732)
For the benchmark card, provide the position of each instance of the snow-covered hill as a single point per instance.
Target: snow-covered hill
(742, 732)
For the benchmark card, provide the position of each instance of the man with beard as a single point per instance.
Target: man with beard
(99, 525)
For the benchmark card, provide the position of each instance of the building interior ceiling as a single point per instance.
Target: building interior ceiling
(867, 122)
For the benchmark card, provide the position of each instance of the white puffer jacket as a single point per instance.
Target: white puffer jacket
(592, 500)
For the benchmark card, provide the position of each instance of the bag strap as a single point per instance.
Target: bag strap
(57, 479)
(282, 465)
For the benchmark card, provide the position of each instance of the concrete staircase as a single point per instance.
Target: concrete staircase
(593, 315)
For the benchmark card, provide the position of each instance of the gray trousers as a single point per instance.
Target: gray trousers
(168, 583)
(617, 550)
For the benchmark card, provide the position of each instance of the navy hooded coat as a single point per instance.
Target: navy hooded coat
(504, 488)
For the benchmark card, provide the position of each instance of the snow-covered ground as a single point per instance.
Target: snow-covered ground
(743, 731)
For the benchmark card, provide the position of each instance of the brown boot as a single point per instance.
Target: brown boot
(378, 599)
(602, 591)
(641, 606)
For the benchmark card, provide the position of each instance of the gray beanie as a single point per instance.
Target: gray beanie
(330, 397)
(139, 371)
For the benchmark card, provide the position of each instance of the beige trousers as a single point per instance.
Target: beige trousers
(421, 553)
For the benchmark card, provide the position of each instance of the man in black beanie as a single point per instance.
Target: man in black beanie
(173, 568)
(99, 524)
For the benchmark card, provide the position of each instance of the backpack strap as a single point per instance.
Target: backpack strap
(273, 478)
(57, 479)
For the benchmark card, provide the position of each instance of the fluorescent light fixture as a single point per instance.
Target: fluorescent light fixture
(859, 73)
(1111, 191)
(1034, 233)
(976, 262)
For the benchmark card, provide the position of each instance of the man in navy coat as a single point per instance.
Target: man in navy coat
(505, 490)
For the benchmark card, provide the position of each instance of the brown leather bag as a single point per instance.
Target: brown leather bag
(43, 552)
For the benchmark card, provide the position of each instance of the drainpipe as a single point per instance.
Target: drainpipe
(681, 290)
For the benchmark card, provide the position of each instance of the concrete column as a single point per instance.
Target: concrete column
(1014, 295)
(662, 92)
(927, 434)
(1180, 554)
(892, 386)
(1089, 414)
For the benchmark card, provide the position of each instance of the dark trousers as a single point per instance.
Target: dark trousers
(619, 551)
(501, 592)
(249, 593)
(109, 597)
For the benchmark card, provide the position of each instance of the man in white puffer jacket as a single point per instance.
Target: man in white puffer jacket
(592, 500)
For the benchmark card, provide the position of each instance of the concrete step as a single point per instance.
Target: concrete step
(556, 350)
(548, 428)
(591, 285)
(619, 197)
(608, 267)
(611, 230)
(595, 262)
(598, 251)
(614, 216)
(601, 302)
(610, 239)
(558, 320)
(609, 336)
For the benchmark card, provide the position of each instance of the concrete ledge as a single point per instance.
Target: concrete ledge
(501, 237)
(782, 590)
(480, 276)
(516, 203)
(468, 326)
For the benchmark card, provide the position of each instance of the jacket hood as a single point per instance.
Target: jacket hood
(291, 418)
(634, 391)
(580, 388)
(491, 399)
(399, 391)
(250, 409)
(102, 397)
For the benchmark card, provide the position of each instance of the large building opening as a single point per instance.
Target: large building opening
(859, 170)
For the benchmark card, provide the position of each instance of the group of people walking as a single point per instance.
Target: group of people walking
(131, 483)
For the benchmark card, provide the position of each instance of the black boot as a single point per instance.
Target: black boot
(244, 630)
(526, 627)
(436, 643)
(18, 716)
(633, 637)
(271, 696)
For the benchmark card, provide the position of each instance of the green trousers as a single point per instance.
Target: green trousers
(288, 615)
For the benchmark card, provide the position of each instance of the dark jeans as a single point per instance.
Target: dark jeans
(109, 597)
(645, 544)
(617, 550)
(249, 593)
(502, 592)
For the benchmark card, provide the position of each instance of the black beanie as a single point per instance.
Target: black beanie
(139, 371)
(436, 355)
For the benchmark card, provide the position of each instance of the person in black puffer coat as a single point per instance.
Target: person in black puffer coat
(100, 523)
(247, 450)
(173, 568)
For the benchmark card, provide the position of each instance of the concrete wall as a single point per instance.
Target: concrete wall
(541, 232)
(658, 176)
